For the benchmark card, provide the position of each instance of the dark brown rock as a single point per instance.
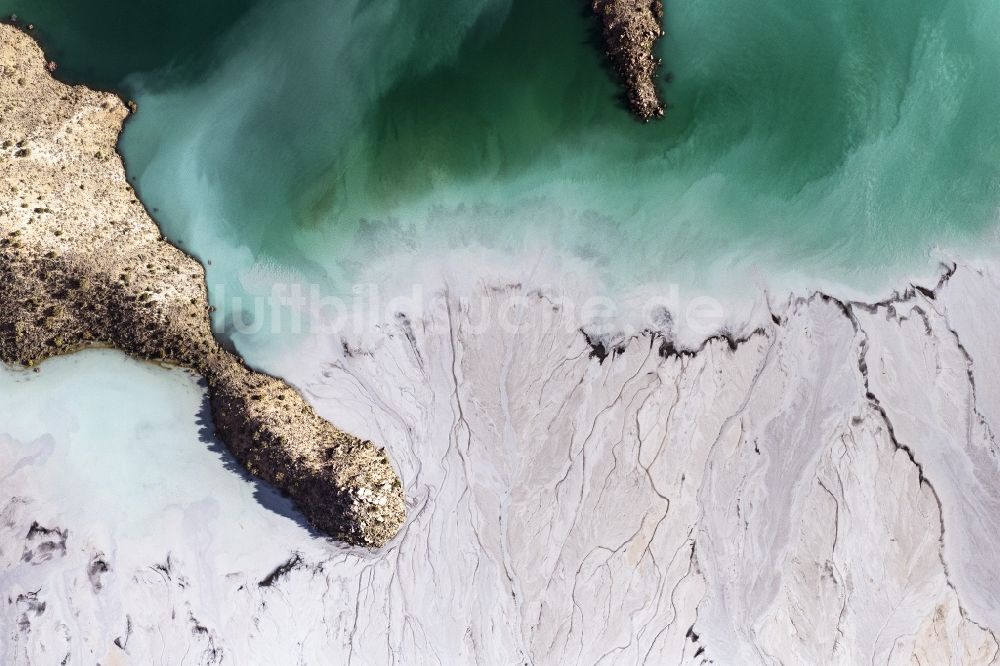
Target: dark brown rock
(82, 264)
(631, 29)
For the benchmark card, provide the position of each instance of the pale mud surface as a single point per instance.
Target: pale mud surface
(823, 490)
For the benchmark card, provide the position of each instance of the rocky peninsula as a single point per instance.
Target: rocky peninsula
(82, 264)
(631, 29)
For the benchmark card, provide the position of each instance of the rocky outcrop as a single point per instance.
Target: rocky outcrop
(631, 29)
(82, 264)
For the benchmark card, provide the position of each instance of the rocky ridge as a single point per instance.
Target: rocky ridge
(631, 29)
(82, 264)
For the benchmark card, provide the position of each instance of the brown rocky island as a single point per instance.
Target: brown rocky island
(83, 265)
(631, 29)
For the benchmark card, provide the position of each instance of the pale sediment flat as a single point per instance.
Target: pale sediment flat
(823, 489)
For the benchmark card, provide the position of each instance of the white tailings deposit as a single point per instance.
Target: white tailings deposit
(822, 487)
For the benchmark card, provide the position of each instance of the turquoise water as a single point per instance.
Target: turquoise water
(833, 140)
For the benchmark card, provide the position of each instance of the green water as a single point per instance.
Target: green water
(101, 43)
(836, 140)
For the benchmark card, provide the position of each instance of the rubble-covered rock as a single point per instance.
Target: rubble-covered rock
(82, 264)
